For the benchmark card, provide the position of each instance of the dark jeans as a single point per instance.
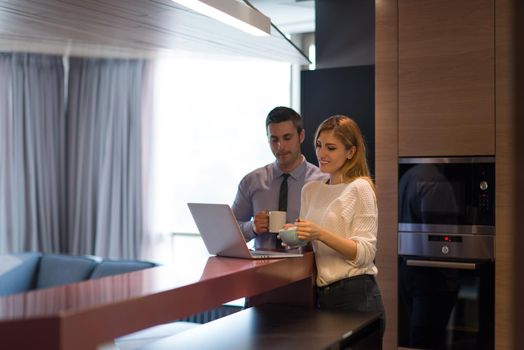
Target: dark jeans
(358, 293)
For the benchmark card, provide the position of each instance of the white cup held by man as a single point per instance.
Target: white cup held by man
(277, 220)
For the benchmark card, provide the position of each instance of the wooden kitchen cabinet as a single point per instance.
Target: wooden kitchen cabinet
(446, 77)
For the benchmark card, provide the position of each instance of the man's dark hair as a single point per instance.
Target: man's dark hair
(283, 114)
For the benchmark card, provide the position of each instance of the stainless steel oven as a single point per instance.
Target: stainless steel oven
(446, 244)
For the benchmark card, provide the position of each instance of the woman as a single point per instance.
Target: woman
(339, 217)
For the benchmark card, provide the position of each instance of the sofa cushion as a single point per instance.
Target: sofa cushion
(113, 267)
(18, 272)
(57, 269)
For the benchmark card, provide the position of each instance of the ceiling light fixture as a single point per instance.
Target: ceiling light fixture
(233, 13)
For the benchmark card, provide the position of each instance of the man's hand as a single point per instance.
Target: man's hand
(261, 222)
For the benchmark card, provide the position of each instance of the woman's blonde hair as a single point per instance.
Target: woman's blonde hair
(347, 131)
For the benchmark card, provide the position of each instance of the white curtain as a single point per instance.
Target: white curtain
(104, 184)
(71, 171)
(32, 139)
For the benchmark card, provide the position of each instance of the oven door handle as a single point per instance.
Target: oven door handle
(442, 264)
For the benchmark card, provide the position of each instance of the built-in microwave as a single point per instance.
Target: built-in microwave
(451, 195)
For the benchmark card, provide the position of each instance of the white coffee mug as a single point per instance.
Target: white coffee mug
(277, 220)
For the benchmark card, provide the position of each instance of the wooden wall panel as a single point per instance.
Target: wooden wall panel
(446, 77)
(505, 175)
(386, 158)
(503, 135)
(518, 123)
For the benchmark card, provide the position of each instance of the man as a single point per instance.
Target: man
(259, 191)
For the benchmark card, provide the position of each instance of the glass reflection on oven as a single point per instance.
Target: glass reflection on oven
(427, 196)
(429, 294)
(446, 308)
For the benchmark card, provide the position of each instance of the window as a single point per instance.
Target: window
(209, 131)
(312, 56)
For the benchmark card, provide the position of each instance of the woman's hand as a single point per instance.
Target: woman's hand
(308, 230)
(286, 226)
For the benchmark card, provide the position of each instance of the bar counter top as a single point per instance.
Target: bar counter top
(86, 314)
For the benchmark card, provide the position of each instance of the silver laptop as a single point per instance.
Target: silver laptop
(222, 236)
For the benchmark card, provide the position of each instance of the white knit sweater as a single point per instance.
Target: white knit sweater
(348, 210)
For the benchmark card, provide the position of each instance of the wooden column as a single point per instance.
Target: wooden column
(505, 176)
(386, 158)
(516, 10)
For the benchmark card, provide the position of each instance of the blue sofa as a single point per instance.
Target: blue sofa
(22, 272)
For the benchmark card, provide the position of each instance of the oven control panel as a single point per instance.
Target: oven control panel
(453, 246)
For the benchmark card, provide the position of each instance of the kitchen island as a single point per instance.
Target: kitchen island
(86, 314)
